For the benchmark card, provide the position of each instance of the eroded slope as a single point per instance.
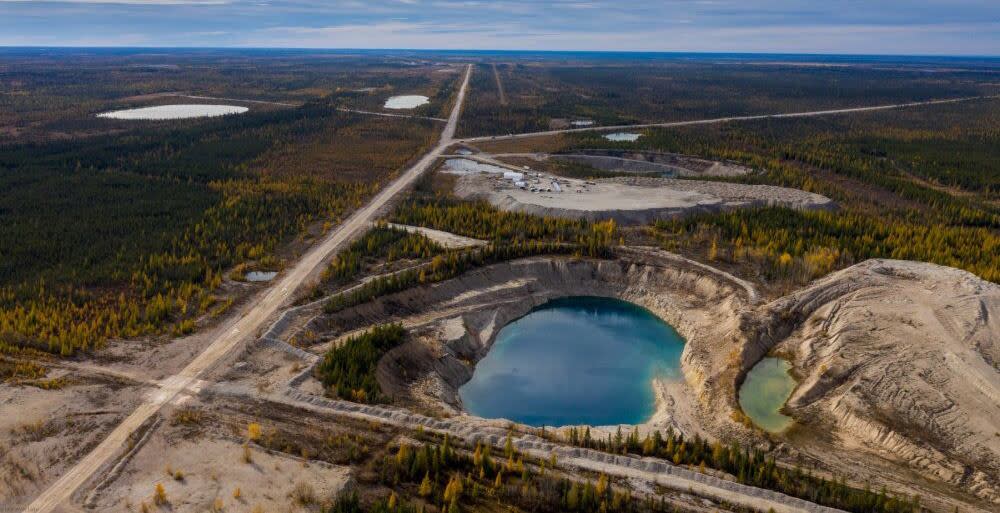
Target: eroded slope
(901, 359)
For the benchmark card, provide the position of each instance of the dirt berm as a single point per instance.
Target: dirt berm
(667, 164)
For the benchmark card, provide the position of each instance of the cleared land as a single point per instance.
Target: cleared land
(445, 239)
(886, 346)
(190, 472)
(626, 200)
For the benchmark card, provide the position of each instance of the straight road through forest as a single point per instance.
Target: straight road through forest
(247, 325)
(496, 76)
(718, 120)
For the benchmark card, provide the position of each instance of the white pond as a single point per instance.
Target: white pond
(468, 167)
(623, 137)
(406, 102)
(261, 275)
(161, 112)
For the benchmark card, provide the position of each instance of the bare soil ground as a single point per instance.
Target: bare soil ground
(630, 200)
(445, 239)
(202, 472)
(42, 432)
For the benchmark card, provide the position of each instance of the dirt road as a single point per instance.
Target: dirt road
(496, 75)
(241, 100)
(388, 115)
(247, 326)
(718, 120)
(647, 470)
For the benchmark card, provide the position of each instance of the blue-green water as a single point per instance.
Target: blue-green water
(764, 392)
(577, 360)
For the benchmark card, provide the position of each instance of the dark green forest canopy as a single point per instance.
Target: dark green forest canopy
(114, 228)
(59, 92)
(628, 93)
(84, 212)
(348, 369)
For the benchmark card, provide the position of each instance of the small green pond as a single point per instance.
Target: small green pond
(764, 392)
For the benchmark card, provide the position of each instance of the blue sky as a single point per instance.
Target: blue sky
(927, 27)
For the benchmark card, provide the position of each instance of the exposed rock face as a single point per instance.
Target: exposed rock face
(900, 358)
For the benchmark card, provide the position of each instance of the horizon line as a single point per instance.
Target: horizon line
(501, 50)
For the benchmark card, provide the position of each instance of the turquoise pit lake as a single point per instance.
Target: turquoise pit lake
(574, 361)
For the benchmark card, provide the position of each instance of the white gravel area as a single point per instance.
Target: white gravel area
(629, 199)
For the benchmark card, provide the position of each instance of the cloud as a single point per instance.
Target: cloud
(842, 26)
(124, 2)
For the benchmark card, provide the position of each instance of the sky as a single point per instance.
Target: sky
(914, 27)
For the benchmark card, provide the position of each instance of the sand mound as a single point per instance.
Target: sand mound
(902, 358)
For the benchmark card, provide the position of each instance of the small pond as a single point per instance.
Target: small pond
(162, 112)
(261, 275)
(406, 102)
(623, 137)
(573, 361)
(764, 392)
(460, 166)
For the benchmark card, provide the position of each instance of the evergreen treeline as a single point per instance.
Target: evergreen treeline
(443, 267)
(657, 90)
(440, 477)
(349, 368)
(802, 245)
(481, 220)
(349, 503)
(750, 466)
(381, 242)
(435, 477)
(61, 90)
(126, 235)
(513, 235)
